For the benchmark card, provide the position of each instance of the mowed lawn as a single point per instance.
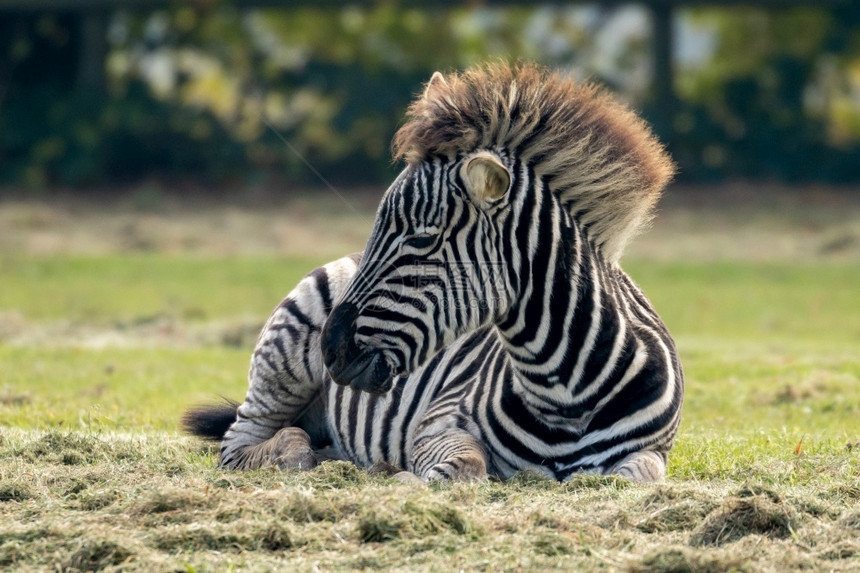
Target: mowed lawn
(100, 355)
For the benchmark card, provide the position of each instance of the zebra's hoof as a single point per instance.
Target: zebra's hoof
(408, 478)
(642, 467)
(463, 469)
(383, 469)
(289, 449)
(297, 459)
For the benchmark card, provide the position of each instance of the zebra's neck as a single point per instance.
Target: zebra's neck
(566, 327)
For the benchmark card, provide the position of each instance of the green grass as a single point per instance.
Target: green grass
(770, 303)
(134, 287)
(114, 388)
(93, 475)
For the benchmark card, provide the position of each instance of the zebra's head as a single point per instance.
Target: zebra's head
(502, 163)
(432, 270)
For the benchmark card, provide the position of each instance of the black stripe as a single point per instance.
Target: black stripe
(320, 277)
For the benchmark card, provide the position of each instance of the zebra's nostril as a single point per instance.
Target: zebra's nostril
(337, 339)
(374, 378)
(347, 362)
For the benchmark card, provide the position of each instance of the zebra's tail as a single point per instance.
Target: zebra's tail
(209, 421)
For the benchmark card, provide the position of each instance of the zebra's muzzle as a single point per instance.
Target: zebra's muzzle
(370, 372)
(362, 368)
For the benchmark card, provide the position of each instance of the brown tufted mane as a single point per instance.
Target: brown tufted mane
(600, 159)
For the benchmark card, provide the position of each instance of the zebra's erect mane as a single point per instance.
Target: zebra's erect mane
(601, 160)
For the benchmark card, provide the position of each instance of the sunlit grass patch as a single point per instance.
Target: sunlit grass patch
(137, 511)
(767, 303)
(411, 519)
(741, 516)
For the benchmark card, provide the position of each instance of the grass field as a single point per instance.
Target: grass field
(102, 348)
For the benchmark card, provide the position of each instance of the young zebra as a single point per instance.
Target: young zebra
(488, 327)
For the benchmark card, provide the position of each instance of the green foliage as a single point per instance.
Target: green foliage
(773, 102)
(86, 137)
(216, 93)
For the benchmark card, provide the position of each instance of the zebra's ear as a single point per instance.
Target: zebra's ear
(485, 177)
(437, 80)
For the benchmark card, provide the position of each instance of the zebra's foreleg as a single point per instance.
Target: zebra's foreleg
(282, 412)
(282, 416)
(452, 454)
(642, 467)
(290, 448)
(271, 423)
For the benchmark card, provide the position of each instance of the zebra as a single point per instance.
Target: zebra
(488, 327)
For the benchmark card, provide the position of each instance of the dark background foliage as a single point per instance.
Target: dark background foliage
(245, 94)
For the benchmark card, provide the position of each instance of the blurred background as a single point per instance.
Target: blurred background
(105, 94)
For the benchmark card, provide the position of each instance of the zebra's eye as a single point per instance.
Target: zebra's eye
(420, 241)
